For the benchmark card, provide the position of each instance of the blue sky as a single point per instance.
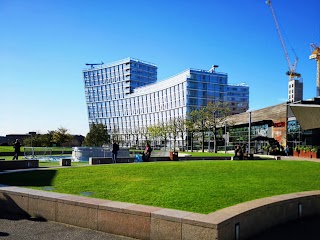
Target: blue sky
(44, 46)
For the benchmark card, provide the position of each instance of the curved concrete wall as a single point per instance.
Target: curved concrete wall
(144, 222)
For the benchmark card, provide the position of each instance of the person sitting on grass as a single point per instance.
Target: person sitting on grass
(147, 153)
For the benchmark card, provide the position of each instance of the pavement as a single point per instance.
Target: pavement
(14, 227)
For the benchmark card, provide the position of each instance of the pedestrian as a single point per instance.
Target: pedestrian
(236, 152)
(287, 150)
(115, 149)
(16, 146)
(241, 152)
(147, 153)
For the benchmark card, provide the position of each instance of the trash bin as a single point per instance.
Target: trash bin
(174, 156)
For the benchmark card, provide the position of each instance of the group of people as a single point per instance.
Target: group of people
(145, 155)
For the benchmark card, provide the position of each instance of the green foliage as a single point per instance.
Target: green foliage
(266, 147)
(314, 149)
(61, 136)
(196, 186)
(97, 136)
(208, 119)
(297, 148)
(39, 140)
(306, 148)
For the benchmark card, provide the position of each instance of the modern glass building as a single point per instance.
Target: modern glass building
(126, 97)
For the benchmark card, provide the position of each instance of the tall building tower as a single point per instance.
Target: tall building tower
(108, 84)
(295, 90)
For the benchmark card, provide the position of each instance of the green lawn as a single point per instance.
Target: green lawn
(197, 186)
(11, 149)
(207, 154)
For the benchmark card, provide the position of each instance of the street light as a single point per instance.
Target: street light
(249, 134)
(225, 137)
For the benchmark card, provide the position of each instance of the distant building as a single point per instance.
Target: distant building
(295, 90)
(126, 96)
(12, 137)
(286, 124)
(3, 140)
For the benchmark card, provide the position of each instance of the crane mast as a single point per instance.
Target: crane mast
(295, 85)
(316, 56)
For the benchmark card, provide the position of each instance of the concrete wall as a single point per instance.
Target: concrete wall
(146, 222)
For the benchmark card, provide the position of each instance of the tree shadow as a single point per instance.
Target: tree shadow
(35, 178)
(11, 211)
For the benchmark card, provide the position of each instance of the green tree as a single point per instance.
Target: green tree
(164, 133)
(190, 123)
(173, 130)
(215, 115)
(154, 132)
(181, 126)
(97, 136)
(61, 136)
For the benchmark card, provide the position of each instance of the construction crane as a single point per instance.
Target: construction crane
(297, 84)
(316, 56)
(94, 64)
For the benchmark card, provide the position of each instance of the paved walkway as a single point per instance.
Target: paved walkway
(14, 227)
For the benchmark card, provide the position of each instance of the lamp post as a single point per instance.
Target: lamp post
(249, 134)
(32, 150)
(225, 137)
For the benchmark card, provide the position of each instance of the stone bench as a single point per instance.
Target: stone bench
(65, 162)
(18, 164)
(99, 160)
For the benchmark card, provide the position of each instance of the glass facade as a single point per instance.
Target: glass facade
(125, 96)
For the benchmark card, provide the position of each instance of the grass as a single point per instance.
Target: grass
(196, 186)
(207, 154)
(11, 149)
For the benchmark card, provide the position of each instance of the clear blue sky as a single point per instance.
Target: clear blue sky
(44, 46)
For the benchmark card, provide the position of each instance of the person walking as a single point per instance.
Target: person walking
(16, 146)
(115, 149)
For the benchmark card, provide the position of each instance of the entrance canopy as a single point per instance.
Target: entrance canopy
(308, 115)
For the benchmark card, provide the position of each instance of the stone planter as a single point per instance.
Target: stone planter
(313, 154)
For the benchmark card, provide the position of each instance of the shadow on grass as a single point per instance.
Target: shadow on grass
(29, 178)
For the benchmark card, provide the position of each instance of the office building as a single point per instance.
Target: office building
(126, 97)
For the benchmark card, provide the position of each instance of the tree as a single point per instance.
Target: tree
(97, 136)
(181, 126)
(215, 118)
(154, 132)
(61, 136)
(191, 121)
(173, 130)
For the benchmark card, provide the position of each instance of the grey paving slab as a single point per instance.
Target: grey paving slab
(14, 227)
